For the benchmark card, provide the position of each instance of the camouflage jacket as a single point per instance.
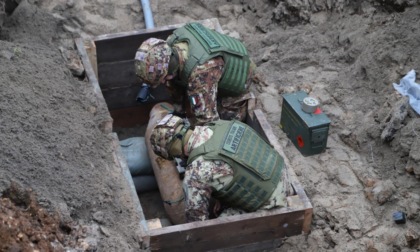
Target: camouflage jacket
(203, 177)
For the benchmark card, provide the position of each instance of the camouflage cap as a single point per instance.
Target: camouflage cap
(151, 61)
(163, 133)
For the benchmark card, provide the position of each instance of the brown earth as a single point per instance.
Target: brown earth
(26, 226)
(345, 53)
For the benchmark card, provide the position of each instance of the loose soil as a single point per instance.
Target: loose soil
(345, 53)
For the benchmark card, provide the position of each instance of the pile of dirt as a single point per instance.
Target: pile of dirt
(51, 140)
(345, 53)
(26, 226)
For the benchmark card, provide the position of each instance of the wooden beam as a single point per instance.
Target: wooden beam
(125, 97)
(225, 232)
(268, 131)
(154, 223)
(117, 74)
(114, 48)
(91, 52)
(131, 116)
(119, 160)
(104, 121)
(90, 73)
(123, 46)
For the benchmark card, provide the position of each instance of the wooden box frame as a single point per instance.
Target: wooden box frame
(108, 61)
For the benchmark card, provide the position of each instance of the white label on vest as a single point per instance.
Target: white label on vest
(234, 137)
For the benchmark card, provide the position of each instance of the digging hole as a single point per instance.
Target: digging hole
(111, 73)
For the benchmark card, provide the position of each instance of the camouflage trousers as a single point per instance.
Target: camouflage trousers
(230, 108)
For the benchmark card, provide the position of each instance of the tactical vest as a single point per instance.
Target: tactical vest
(257, 166)
(205, 44)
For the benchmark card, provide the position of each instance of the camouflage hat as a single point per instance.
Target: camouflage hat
(151, 61)
(163, 134)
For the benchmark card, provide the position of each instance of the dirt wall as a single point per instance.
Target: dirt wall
(51, 142)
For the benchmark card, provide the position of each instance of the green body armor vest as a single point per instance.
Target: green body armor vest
(205, 44)
(257, 166)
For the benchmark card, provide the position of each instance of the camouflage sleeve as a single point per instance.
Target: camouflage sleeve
(202, 90)
(201, 178)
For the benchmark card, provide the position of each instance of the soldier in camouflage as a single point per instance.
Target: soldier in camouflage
(214, 69)
(209, 176)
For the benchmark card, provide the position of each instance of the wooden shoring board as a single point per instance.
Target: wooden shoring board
(127, 117)
(91, 52)
(105, 120)
(228, 232)
(120, 160)
(123, 46)
(90, 73)
(120, 86)
(118, 74)
(264, 126)
(131, 117)
(126, 97)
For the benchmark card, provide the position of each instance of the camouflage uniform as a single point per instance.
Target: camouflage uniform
(203, 177)
(202, 91)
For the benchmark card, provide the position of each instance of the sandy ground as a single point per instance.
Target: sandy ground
(345, 53)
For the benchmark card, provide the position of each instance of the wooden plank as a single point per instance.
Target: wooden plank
(105, 121)
(252, 103)
(88, 68)
(126, 97)
(295, 202)
(252, 121)
(117, 74)
(123, 46)
(306, 227)
(121, 97)
(131, 116)
(91, 52)
(121, 162)
(154, 223)
(298, 188)
(229, 231)
(268, 245)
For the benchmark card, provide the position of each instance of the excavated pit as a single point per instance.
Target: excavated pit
(112, 76)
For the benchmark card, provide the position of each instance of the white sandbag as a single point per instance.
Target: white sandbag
(135, 152)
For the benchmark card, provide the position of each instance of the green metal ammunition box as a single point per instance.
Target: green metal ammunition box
(307, 130)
